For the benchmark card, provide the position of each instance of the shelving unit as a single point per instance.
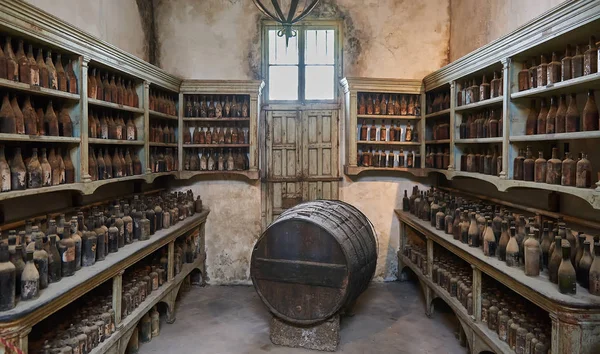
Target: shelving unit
(37, 90)
(496, 101)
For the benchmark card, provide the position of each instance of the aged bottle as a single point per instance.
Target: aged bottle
(18, 173)
(29, 117)
(590, 113)
(12, 67)
(572, 116)
(30, 278)
(383, 133)
(540, 168)
(561, 116)
(541, 119)
(590, 58)
(34, 171)
(554, 169)
(555, 260)
(473, 231)
(68, 252)
(8, 123)
(569, 171)
(51, 125)
(532, 255)
(553, 72)
(61, 75)
(409, 133)
(518, 166)
(566, 273)
(46, 170)
(40, 258)
(8, 278)
(155, 317)
(489, 241)
(433, 209)
(528, 166)
(533, 74)
(566, 64)
(584, 172)
(545, 246)
(531, 123)
(5, 177)
(584, 265)
(3, 65)
(542, 72)
(383, 105)
(551, 118)
(512, 250)
(577, 63)
(65, 126)
(484, 89)
(373, 132)
(52, 75)
(19, 121)
(364, 129)
(594, 278)
(523, 78)
(54, 262)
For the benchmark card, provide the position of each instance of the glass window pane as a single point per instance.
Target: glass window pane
(320, 47)
(319, 82)
(279, 53)
(283, 83)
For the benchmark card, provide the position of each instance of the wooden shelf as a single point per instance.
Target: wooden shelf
(198, 119)
(39, 138)
(153, 144)
(151, 300)
(497, 140)
(37, 90)
(119, 107)
(479, 105)
(357, 170)
(116, 142)
(60, 294)
(34, 191)
(480, 329)
(539, 290)
(580, 84)
(385, 116)
(216, 146)
(155, 114)
(390, 143)
(443, 141)
(553, 137)
(251, 175)
(438, 114)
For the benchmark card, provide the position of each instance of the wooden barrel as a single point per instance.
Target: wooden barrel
(314, 260)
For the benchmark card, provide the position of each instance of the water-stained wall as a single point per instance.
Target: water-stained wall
(475, 23)
(117, 22)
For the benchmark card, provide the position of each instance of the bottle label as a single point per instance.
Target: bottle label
(130, 133)
(69, 255)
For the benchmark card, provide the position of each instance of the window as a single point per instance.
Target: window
(305, 70)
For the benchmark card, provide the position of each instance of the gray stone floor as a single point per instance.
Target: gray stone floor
(389, 318)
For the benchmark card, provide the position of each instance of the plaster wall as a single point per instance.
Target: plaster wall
(215, 39)
(115, 21)
(474, 23)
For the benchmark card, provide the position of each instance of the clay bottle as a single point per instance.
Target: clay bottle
(65, 126)
(29, 117)
(572, 116)
(383, 133)
(409, 133)
(590, 113)
(540, 168)
(8, 279)
(551, 118)
(54, 261)
(523, 78)
(390, 105)
(532, 255)
(34, 70)
(555, 260)
(554, 169)
(566, 64)
(71, 77)
(370, 108)
(528, 166)
(46, 170)
(4, 172)
(473, 231)
(113, 89)
(54, 167)
(569, 171)
(43, 69)
(440, 219)
(433, 209)
(88, 244)
(590, 58)
(131, 130)
(542, 72)
(19, 121)
(18, 173)
(512, 250)
(584, 172)
(99, 85)
(577, 63)
(8, 123)
(561, 115)
(51, 125)
(531, 123)
(3, 65)
(61, 75)
(362, 105)
(34, 171)
(489, 241)
(12, 67)
(373, 132)
(566, 273)
(496, 87)
(40, 258)
(594, 278)
(518, 166)
(584, 265)
(30, 279)
(554, 74)
(77, 243)
(541, 119)
(545, 245)
(383, 105)
(23, 62)
(52, 74)
(484, 89)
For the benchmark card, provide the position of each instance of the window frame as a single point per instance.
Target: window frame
(301, 27)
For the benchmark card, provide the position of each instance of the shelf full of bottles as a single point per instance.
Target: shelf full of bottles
(53, 263)
(542, 260)
(437, 128)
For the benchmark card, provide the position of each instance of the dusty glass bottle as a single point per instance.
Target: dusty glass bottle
(68, 252)
(473, 231)
(528, 166)
(30, 278)
(489, 241)
(554, 70)
(590, 114)
(532, 255)
(584, 265)
(40, 258)
(584, 172)
(542, 72)
(518, 166)
(8, 123)
(572, 117)
(590, 58)
(569, 171)
(561, 115)
(594, 277)
(29, 117)
(8, 280)
(52, 74)
(555, 260)
(34, 171)
(523, 78)
(566, 64)
(551, 117)
(577, 63)
(540, 166)
(46, 170)
(512, 250)
(19, 121)
(566, 272)
(5, 177)
(51, 126)
(541, 119)
(531, 122)
(3, 65)
(440, 219)
(11, 61)
(554, 169)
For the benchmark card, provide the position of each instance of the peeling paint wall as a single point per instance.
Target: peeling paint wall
(474, 23)
(115, 21)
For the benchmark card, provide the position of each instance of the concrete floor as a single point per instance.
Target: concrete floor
(389, 318)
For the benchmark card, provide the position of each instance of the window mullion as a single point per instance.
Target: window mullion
(301, 64)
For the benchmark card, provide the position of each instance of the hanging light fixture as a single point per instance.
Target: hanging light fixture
(287, 13)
